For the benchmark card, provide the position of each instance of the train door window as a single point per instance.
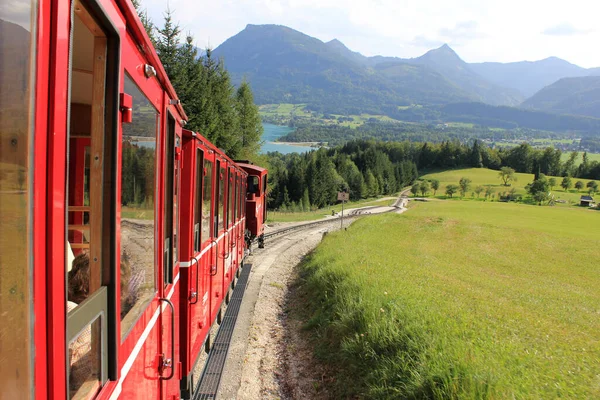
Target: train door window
(230, 194)
(169, 239)
(217, 200)
(17, 88)
(221, 207)
(198, 199)
(236, 206)
(207, 200)
(93, 90)
(138, 202)
(264, 202)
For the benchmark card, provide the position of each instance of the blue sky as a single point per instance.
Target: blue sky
(479, 30)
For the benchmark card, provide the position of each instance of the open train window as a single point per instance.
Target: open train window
(93, 94)
(198, 216)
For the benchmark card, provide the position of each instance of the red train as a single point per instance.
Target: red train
(121, 232)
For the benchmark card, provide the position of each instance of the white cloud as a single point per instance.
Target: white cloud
(565, 29)
(17, 12)
(484, 30)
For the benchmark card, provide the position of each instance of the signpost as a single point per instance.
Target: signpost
(343, 196)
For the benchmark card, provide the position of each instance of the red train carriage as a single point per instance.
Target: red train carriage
(120, 232)
(256, 204)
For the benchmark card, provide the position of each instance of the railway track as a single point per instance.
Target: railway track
(355, 213)
(208, 385)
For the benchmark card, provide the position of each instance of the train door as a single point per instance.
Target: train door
(147, 233)
(220, 229)
(230, 243)
(169, 328)
(195, 323)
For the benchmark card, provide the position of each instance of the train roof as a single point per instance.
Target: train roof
(252, 167)
(208, 144)
(145, 45)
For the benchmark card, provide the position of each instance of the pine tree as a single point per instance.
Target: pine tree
(167, 48)
(146, 21)
(250, 126)
(305, 201)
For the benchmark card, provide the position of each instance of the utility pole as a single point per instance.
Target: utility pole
(343, 196)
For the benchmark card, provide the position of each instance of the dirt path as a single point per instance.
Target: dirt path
(268, 357)
(257, 355)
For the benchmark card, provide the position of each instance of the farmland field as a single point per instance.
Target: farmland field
(462, 300)
(484, 177)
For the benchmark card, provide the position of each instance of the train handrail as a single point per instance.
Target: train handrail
(194, 294)
(169, 362)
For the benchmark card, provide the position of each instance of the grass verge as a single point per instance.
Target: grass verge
(459, 300)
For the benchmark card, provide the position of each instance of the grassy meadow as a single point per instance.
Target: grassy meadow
(591, 157)
(485, 177)
(284, 111)
(459, 300)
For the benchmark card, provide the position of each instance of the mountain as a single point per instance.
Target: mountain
(445, 61)
(528, 77)
(284, 65)
(576, 96)
(340, 48)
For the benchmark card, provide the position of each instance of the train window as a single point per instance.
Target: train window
(208, 173)
(85, 362)
(168, 231)
(221, 211)
(236, 207)
(253, 184)
(198, 216)
(264, 188)
(16, 191)
(138, 189)
(264, 201)
(216, 207)
(230, 192)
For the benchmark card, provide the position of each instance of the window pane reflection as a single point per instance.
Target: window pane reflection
(16, 114)
(138, 173)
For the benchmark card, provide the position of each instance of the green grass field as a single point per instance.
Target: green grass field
(591, 156)
(277, 216)
(484, 177)
(459, 300)
(284, 111)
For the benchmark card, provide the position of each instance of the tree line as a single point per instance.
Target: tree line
(367, 168)
(226, 116)
(310, 130)
(301, 182)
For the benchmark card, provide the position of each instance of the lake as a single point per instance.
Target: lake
(270, 135)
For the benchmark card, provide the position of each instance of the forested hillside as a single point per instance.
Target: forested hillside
(576, 96)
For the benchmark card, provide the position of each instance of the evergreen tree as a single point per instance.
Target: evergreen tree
(250, 126)
(146, 21)
(305, 201)
(167, 48)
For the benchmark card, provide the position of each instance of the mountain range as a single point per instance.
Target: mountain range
(287, 66)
